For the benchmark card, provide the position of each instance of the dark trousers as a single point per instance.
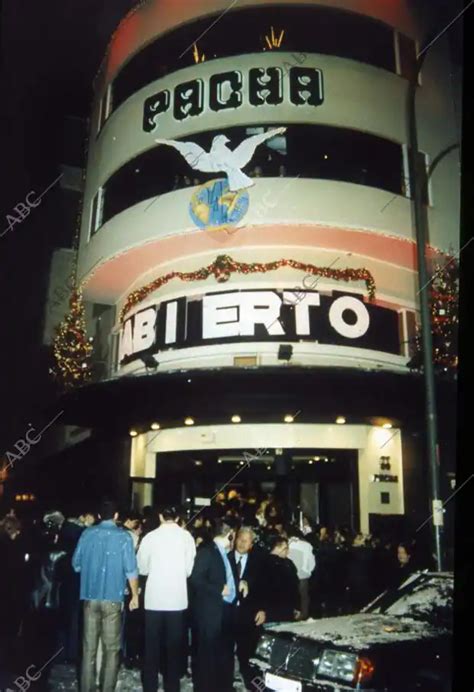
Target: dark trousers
(134, 634)
(304, 598)
(163, 631)
(246, 635)
(69, 631)
(215, 645)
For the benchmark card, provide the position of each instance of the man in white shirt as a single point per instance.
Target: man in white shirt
(166, 556)
(302, 556)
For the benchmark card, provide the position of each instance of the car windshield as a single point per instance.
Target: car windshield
(427, 597)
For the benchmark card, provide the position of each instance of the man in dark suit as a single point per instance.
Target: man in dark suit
(213, 593)
(282, 596)
(249, 616)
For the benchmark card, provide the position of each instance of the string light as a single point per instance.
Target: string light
(72, 349)
(444, 293)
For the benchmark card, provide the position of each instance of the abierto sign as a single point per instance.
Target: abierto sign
(341, 319)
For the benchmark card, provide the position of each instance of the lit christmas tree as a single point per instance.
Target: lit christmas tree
(444, 316)
(444, 311)
(71, 348)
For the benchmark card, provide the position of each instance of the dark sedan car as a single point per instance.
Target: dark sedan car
(401, 642)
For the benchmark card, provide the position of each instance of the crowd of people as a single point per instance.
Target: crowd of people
(175, 593)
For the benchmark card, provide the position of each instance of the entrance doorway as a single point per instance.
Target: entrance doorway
(322, 483)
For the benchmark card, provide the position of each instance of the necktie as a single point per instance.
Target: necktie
(239, 567)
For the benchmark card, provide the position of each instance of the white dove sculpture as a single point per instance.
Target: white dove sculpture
(222, 159)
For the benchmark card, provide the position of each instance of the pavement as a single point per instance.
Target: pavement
(63, 677)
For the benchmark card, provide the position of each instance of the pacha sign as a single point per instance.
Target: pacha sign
(263, 315)
(301, 86)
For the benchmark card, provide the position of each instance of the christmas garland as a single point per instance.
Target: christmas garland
(224, 266)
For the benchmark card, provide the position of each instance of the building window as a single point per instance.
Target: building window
(97, 211)
(427, 190)
(99, 119)
(423, 170)
(405, 52)
(308, 151)
(105, 108)
(310, 29)
(313, 151)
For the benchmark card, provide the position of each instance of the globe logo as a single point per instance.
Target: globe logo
(213, 206)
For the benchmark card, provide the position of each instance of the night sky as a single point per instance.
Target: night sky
(51, 50)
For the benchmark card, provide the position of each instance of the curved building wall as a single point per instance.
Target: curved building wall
(157, 17)
(308, 209)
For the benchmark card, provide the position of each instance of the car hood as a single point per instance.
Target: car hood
(359, 631)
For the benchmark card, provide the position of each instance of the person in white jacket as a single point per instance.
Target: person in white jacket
(166, 556)
(302, 556)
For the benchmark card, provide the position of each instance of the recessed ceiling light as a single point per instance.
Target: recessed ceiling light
(155, 426)
(236, 419)
(219, 461)
(198, 463)
(289, 418)
(340, 420)
(310, 461)
(316, 458)
(242, 463)
(268, 468)
(132, 433)
(387, 426)
(189, 421)
(189, 380)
